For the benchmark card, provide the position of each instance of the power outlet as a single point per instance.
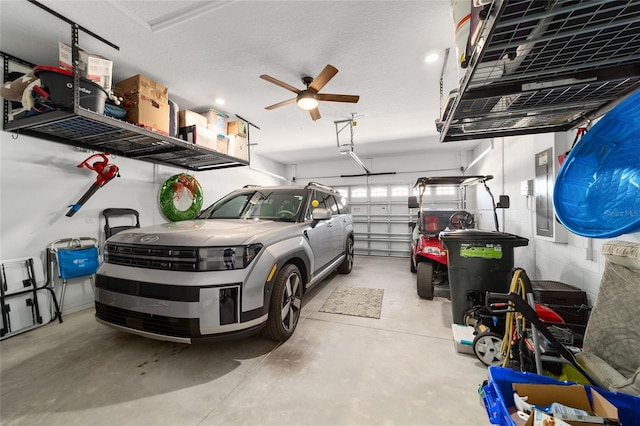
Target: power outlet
(526, 187)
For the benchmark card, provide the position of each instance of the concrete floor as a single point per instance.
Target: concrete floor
(401, 369)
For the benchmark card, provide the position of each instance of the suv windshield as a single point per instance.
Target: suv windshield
(282, 204)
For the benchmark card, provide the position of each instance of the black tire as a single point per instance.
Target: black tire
(487, 346)
(286, 302)
(413, 265)
(347, 264)
(425, 280)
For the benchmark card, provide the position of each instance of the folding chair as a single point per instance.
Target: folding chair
(76, 257)
(112, 230)
(23, 305)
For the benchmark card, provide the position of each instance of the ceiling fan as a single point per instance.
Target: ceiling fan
(308, 98)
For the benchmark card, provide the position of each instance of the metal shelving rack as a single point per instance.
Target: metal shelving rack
(86, 129)
(80, 127)
(545, 66)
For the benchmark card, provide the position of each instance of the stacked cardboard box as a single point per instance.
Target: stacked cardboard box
(238, 142)
(237, 127)
(151, 103)
(238, 147)
(189, 118)
(92, 67)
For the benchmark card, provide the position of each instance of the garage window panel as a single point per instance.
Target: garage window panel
(399, 191)
(379, 192)
(358, 193)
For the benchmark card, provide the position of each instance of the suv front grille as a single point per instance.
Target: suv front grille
(152, 257)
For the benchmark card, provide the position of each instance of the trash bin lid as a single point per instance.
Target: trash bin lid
(478, 235)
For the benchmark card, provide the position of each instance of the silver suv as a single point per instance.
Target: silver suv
(243, 265)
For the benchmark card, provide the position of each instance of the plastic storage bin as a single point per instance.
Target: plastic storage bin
(59, 84)
(596, 192)
(479, 261)
(497, 396)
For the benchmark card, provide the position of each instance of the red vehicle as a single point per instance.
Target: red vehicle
(428, 255)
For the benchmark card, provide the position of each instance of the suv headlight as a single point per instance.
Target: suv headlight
(225, 258)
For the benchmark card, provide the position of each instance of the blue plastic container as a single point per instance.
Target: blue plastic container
(497, 396)
(597, 191)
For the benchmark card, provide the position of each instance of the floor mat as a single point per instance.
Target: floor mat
(355, 301)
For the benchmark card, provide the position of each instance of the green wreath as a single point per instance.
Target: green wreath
(172, 190)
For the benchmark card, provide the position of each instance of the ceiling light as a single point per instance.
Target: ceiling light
(432, 57)
(307, 100)
(220, 101)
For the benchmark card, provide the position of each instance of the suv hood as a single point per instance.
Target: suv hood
(203, 233)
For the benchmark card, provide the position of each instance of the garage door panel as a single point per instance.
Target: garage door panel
(381, 216)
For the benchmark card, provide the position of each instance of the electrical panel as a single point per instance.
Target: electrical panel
(547, 225)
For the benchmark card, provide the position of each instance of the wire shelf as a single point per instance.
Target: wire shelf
(97, 132)
(546, 66)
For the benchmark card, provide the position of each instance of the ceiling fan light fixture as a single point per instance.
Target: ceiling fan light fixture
(307, 100)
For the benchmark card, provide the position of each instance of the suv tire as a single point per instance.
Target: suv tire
(286, 302)
(347, 264)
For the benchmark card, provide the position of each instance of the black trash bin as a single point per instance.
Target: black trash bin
(479, 261)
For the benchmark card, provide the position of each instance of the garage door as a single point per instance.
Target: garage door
(381, 215)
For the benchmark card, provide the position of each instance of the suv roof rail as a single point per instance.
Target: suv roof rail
(319, 185)
(251, 186)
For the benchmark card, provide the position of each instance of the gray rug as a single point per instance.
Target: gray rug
(355, 301)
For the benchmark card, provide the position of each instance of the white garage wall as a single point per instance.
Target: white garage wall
(39, 179)
(512, 161)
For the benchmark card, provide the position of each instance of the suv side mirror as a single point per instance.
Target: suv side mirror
(321, 214)
(503, 202)
(413, 202)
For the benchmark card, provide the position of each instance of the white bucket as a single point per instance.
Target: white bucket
(461, 10)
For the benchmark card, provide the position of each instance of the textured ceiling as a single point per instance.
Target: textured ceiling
(203, 50)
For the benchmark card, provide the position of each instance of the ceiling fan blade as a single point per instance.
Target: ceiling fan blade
(338, 98)
(279, 83)
(279, 104)
(323, 78)
(315, 114)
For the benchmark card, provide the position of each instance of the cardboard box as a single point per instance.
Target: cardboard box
(150, 89)
(151, 102)
(207, 138)
(574, 396)
(92, 67)
(237, 127)
(217, 121)
(238, 147)
(188, 118)
(149, 114)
